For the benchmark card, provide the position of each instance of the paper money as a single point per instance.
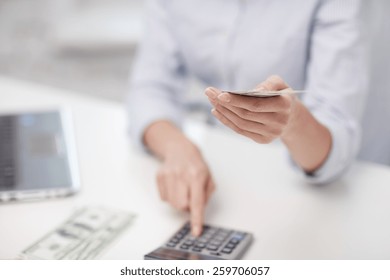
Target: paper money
(83, 236)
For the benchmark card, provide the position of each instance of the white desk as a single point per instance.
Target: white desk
(257, 191)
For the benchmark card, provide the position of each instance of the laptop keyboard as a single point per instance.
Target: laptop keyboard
(7, 152)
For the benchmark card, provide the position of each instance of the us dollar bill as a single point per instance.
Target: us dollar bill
(85, 235)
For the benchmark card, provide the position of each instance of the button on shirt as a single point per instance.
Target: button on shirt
(230, 44)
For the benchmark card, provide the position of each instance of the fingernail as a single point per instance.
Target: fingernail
(261, 88)
(195, 230)
(224, 97)
(211, 93)
(213, 111)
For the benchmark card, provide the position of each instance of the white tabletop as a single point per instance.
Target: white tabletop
(257, 191)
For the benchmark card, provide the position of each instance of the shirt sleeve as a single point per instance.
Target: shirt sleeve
(337, 82)
(158, 76)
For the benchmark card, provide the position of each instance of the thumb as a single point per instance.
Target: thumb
(273, 82)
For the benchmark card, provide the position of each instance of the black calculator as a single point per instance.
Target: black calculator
(215, 243)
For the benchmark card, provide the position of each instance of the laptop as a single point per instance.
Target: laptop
(37, 156)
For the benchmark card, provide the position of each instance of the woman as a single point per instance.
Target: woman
(314, 45)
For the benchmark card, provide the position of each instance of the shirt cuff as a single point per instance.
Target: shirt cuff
(345, 143)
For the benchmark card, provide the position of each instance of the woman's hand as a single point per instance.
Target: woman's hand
(185, 182)
(266, 119)
(184, 179)
(261, 119)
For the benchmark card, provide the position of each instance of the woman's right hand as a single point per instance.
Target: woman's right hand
(184, 179)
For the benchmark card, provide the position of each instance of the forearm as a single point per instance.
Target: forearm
(162, 137)
(308, 141)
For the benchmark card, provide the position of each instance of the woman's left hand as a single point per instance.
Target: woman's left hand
(261, 119)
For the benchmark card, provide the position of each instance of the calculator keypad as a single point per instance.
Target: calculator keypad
(213, 241)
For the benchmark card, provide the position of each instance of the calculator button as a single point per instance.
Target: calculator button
(216, 243)
(174, 240)
(189, 242)
(183, 231)
(212, 247)
(200, 245)
(197, 249)
(239, 235)
(171, 244)
(223, 234)
(215, 253)
(206, 235)
(234, 241)
(184, 247)
(203, 240)
(219, 238)
(230, 246)
(226, 251)
(179, 236)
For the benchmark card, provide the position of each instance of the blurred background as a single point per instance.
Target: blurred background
(82, 45)
(88, 45)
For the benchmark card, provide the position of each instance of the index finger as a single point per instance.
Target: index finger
(197, 204)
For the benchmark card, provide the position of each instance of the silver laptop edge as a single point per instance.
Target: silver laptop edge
(72, 158)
